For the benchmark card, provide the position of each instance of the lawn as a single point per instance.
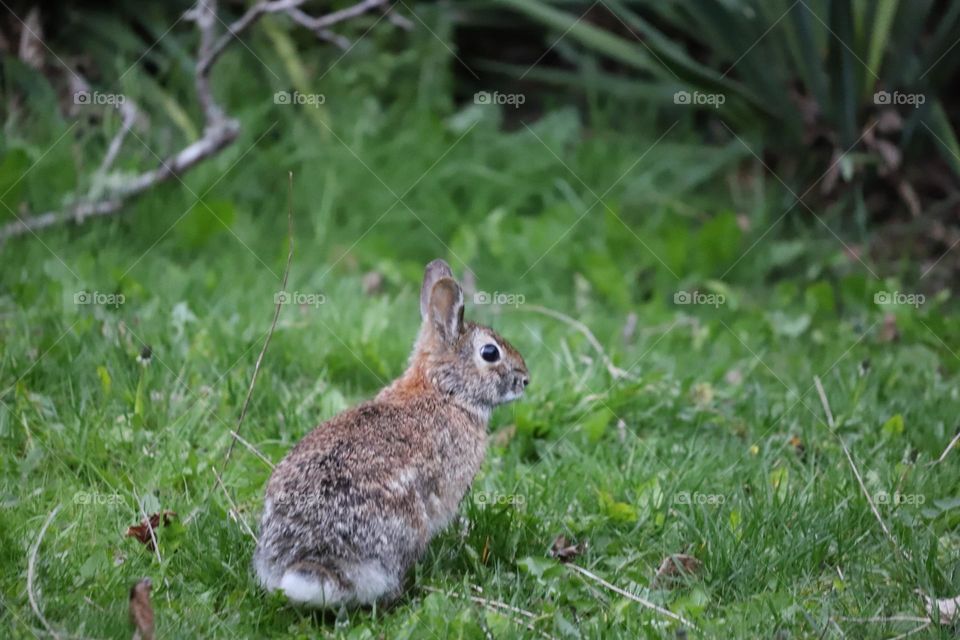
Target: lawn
(674, 309)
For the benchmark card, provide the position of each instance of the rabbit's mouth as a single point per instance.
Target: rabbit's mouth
(517, 382)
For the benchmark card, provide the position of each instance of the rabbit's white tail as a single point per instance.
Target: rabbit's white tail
(362, 583)
(305, 588)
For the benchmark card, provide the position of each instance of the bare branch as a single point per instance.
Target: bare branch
(128, 111)
(219, 130)
(331, 19)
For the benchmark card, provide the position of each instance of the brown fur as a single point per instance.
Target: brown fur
(363, 493)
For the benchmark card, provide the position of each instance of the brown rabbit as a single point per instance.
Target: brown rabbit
(352, 507)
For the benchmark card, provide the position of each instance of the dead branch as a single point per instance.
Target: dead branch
(219, 130)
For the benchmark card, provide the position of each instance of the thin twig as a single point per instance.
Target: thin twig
(626, 594)
(950, 446)
(498, 607)
(146, 519)
(614, 370)
(233, 505)
(128, 112)
(912, 631)
(252, 449)
(276, 314)
(887, 619)
(32, 572)
(856, 472)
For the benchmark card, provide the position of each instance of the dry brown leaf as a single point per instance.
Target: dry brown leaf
(674, 567)
(141, 611)
(563, 551)
(142, 531)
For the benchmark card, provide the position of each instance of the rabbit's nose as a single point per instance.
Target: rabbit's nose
(521, 378)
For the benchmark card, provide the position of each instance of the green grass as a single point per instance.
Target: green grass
(692, 453)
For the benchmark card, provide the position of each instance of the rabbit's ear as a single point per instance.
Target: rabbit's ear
(445, 311)
(434, 271)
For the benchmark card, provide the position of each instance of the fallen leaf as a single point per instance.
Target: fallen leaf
(142, 531)
(563, 551)
(947, 608)
(141, 611)
(676, 566)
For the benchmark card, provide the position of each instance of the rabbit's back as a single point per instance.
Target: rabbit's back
(371, 485)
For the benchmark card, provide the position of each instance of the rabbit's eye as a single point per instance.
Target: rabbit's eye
(490, 353)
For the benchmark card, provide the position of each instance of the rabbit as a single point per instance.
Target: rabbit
(352, 507)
